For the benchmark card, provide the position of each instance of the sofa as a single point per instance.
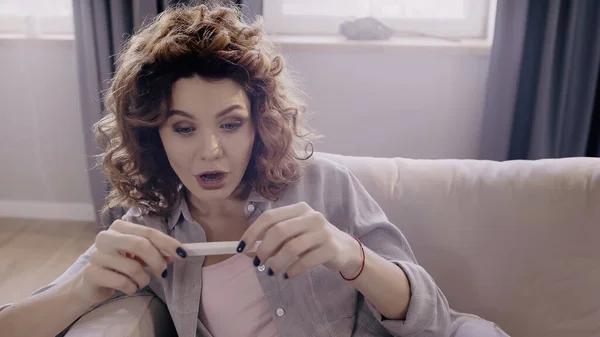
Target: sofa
(515, 242)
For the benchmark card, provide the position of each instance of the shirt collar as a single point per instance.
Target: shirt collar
(181, 211)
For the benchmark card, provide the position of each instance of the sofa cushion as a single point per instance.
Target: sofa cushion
(515, 242)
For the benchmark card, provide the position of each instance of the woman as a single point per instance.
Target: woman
(199, 143)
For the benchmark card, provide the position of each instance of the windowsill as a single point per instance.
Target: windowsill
(334, 43)
(45, 37)
(329, 43)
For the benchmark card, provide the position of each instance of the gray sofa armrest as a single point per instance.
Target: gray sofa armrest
(135, 316)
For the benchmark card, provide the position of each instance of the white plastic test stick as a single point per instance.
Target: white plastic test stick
(216, 248)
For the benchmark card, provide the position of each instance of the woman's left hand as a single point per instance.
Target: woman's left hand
(296, 238)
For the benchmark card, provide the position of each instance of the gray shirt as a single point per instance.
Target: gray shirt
(320, 302)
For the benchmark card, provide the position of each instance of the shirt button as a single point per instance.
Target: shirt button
(261, 268)
(250, 208)
(280, 312)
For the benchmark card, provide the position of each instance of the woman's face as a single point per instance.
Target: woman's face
(208, 136)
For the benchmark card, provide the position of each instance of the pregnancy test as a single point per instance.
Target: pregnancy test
(216, 248)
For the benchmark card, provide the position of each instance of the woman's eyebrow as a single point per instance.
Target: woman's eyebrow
(180, 113)
(219, 115)
(229, 109)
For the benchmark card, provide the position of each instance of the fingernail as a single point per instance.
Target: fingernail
(270, 272)
(285, 276)
(241, 246)
(256, 261)
(181, 252)
(165, 273)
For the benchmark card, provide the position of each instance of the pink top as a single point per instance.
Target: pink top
(233, 302)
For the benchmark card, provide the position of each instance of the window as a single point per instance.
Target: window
(36, 19)
(454, 19)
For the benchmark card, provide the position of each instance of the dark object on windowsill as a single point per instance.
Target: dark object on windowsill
(365, 29)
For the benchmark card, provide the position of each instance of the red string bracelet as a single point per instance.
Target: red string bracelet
(362, 266)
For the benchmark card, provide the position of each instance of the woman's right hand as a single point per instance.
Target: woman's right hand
(120, 257)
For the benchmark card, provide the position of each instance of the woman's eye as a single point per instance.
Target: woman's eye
(184, 130)
(230, 126)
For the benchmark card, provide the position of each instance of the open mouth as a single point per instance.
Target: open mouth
(212, 180)
(212, 176)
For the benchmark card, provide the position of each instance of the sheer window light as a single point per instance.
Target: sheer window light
(457, 19)
(36, 18)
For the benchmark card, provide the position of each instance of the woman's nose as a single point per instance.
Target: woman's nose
(211, 147)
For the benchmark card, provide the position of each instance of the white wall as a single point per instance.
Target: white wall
(421, 103)
(408, 102)
(43, 165)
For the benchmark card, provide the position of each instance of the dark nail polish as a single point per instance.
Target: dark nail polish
(181, 252)
(241, 246)
(270, 272)
(256, 261)
(165, 273)
(285, 276)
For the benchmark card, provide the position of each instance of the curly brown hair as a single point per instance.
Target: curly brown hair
(213, 43)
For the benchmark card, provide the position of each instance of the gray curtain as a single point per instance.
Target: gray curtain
(101, 27)
(541, 91)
